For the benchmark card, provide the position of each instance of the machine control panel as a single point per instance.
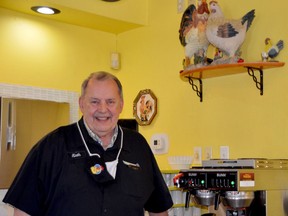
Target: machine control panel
(193, 180)
(222, 180)
(211, 180)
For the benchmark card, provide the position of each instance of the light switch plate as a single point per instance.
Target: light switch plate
(197, 158)
(208, 153)
(224, 152)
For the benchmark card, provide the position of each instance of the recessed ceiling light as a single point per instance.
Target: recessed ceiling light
(110, 0)
(45, 10)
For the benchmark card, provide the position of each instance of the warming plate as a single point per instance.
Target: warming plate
(254, 163)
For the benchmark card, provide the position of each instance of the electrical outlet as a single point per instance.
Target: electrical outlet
(197, 155)
(208, 153)
(224, 152)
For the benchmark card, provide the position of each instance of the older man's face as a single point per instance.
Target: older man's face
(101, 106)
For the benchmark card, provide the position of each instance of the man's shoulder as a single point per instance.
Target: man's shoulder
(133, 134)
(58, 137)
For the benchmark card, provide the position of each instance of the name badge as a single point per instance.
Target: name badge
(77, 154)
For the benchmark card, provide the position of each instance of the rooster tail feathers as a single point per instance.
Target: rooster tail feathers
(249, 17)
(280, 44)
(187, 19)
(182, 38)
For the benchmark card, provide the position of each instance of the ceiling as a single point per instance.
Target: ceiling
(113, 17)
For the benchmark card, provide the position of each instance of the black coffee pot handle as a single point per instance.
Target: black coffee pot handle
(187, 199)
(217, 200)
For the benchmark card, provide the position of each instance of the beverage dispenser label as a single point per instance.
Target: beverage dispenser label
(247, 180)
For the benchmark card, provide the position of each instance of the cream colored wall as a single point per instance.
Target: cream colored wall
(233, 113)
(34, 119)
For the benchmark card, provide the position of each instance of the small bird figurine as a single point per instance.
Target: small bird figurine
(227, 34)
(271, 51)
(192, 33)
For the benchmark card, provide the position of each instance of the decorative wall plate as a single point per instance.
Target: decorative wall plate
(145, 107)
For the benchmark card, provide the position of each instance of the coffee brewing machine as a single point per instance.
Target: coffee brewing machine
(242, 187)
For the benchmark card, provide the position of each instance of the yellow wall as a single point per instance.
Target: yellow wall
(45, 53)
(233, 113)
(117, 10)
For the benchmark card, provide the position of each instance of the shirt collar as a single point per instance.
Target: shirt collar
(97, 138)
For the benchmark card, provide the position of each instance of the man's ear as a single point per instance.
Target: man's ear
(80, 101)
(122, 105)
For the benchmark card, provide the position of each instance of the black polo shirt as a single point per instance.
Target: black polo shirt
(56, 180)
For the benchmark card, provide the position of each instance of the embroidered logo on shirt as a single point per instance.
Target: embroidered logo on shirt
(96, 169)
(76, 155)
(134, 166)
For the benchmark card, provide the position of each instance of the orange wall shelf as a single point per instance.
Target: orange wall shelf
(225, 70)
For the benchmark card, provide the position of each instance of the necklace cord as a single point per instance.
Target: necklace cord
(95, 154)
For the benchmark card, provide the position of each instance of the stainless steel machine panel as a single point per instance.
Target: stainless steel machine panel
(254, 163)
(234, 179)
(252, 187)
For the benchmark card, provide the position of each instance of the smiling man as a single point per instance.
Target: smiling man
(92, 167)
(101, 103)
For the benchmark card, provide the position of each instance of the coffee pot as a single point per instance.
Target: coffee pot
(233, 203)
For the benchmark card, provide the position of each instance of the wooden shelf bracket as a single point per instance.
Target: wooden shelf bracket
(210, 71)
(259, 84)
(199, 91)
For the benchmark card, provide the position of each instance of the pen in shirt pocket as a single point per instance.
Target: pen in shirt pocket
(134, 166)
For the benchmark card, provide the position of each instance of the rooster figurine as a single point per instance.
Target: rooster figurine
(227, 34)
(271, 51)
(192, 33)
